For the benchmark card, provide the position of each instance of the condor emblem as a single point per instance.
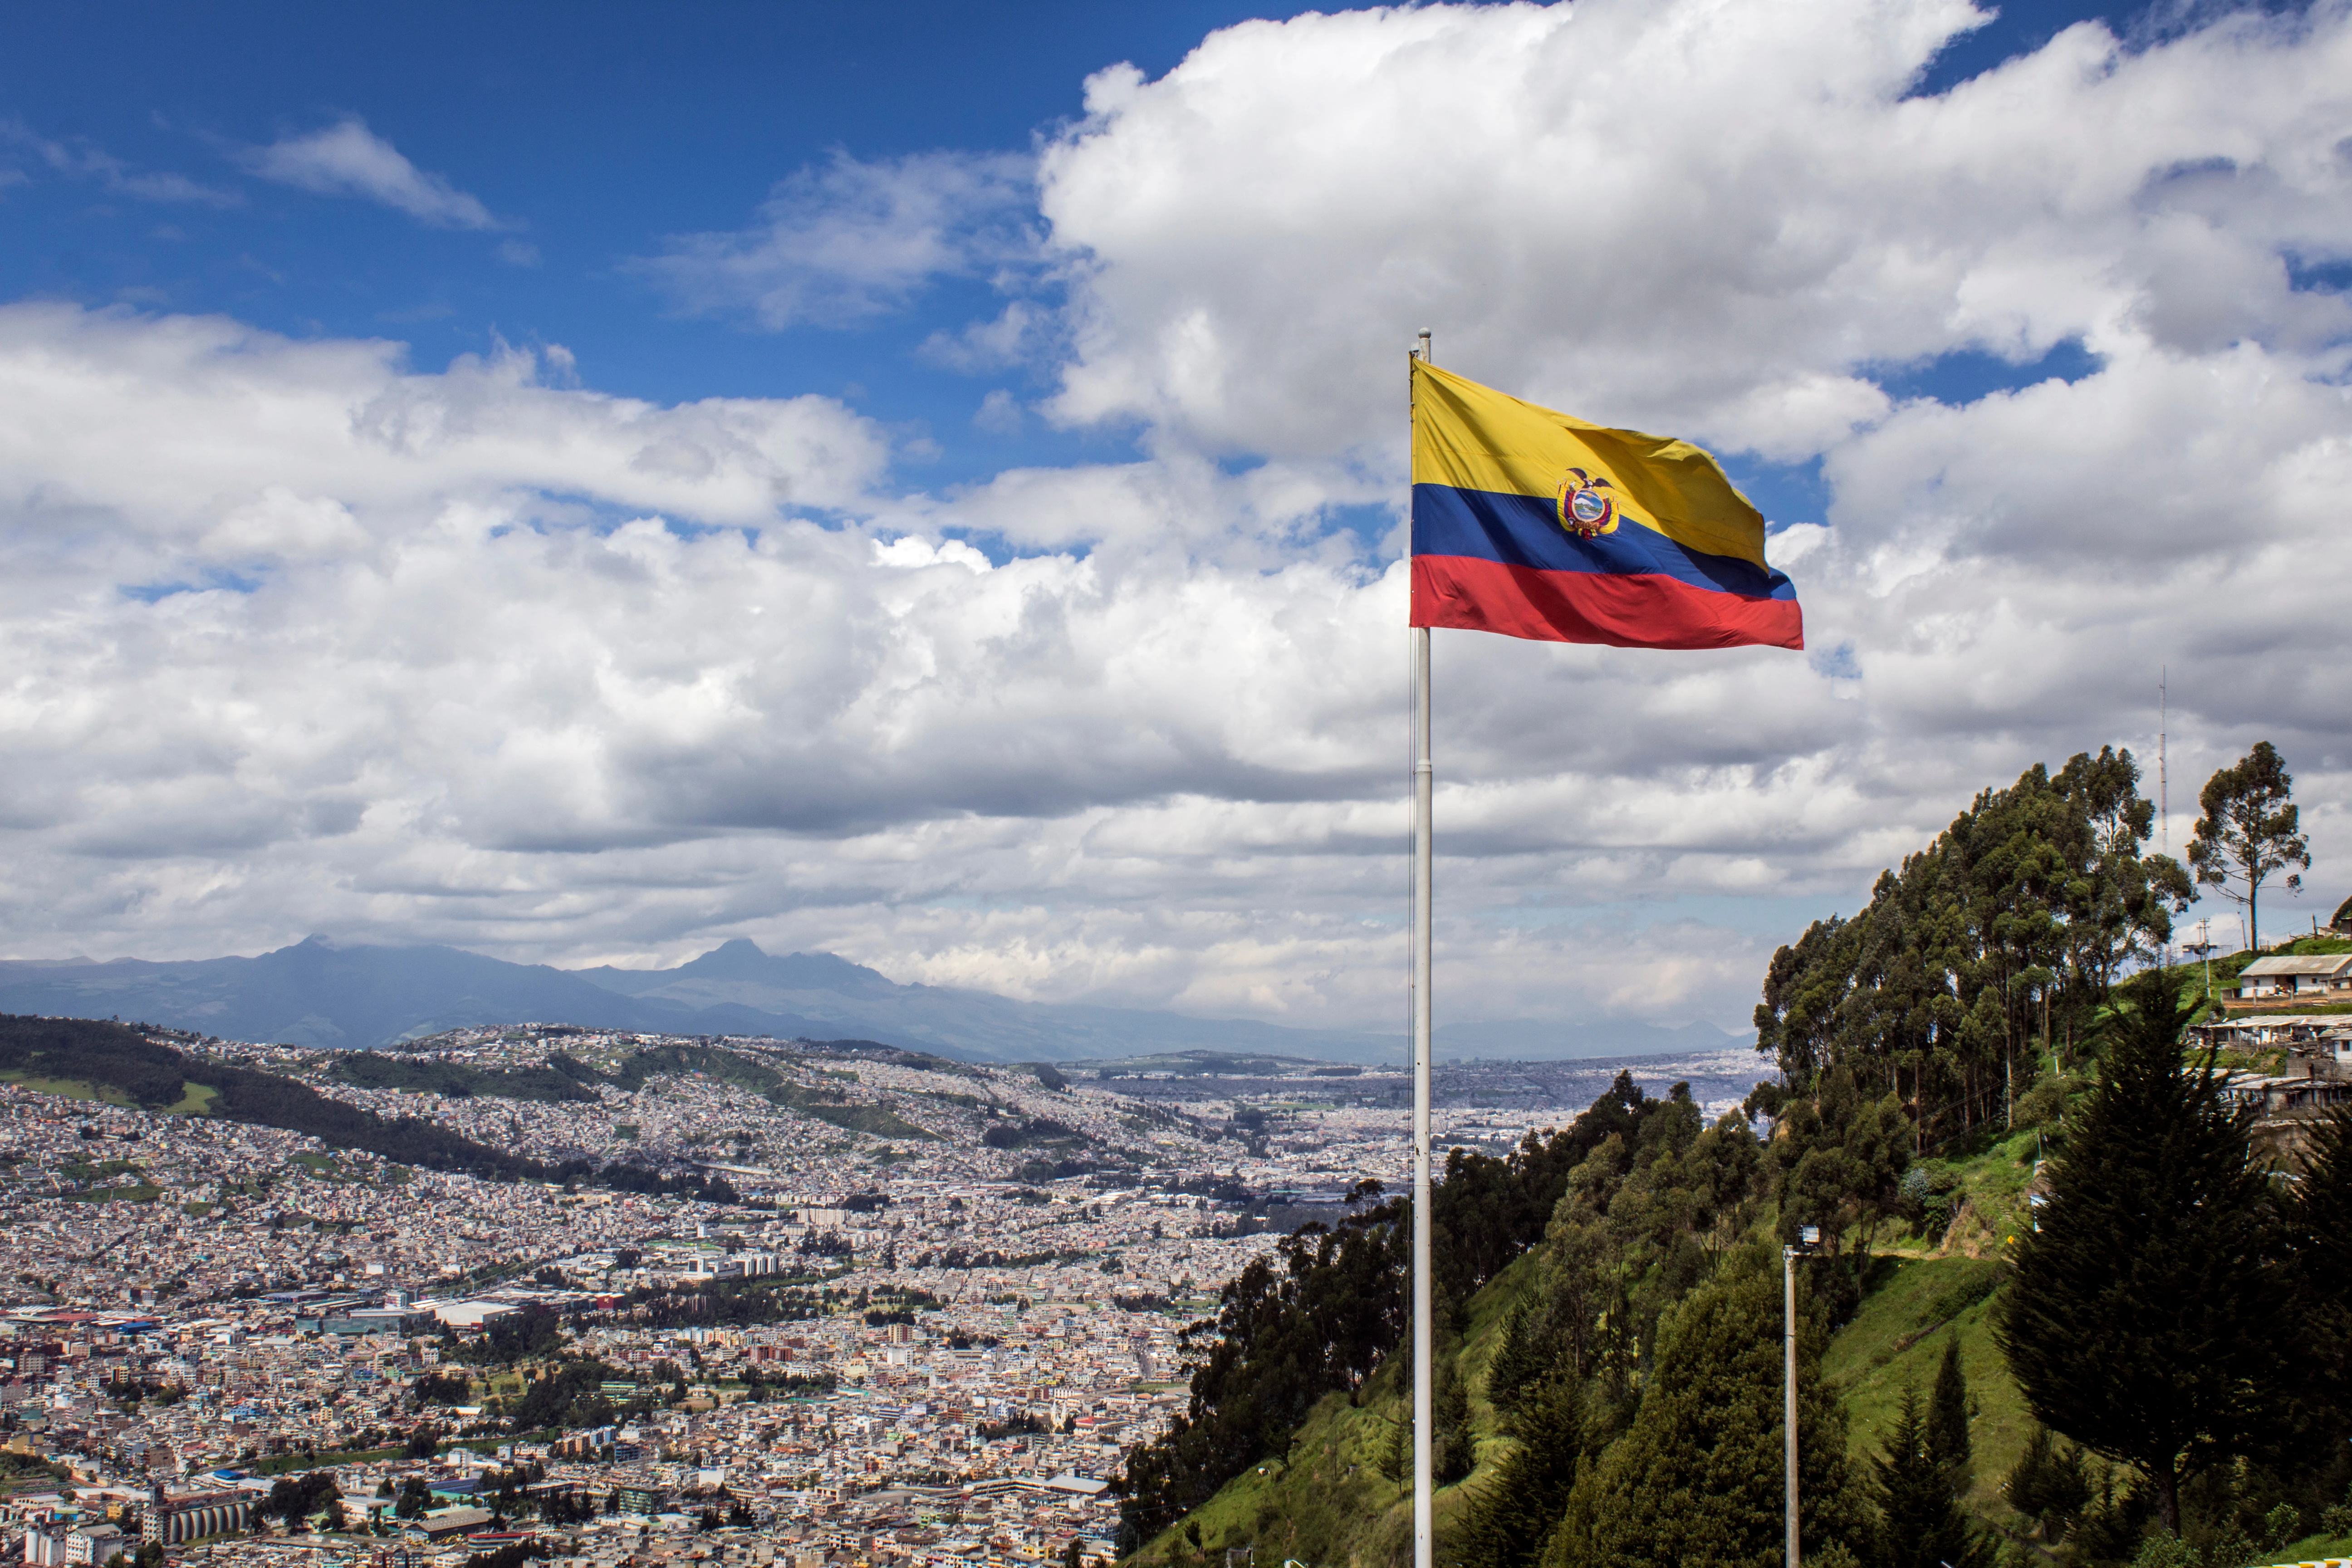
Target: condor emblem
(1586, 506)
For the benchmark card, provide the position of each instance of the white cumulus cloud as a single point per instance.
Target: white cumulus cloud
(1707, 216)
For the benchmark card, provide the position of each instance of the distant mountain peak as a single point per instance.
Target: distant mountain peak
(740, 958)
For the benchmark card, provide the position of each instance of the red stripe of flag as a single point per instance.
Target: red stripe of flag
(1622, 610)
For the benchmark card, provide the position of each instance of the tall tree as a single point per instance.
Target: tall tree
(1920, 1523)
(2250, 833)
(2118, 901)
(1947, 1417)
(2140, 1318)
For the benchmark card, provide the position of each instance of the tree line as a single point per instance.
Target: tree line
(1997, 940)
(2003, 940)
(154, 1077)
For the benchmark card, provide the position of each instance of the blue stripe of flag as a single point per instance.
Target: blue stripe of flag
(1525, 531)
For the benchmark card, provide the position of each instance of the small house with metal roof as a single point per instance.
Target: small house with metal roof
(2283, 976)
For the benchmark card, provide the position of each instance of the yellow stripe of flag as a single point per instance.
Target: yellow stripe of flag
(1474, 438)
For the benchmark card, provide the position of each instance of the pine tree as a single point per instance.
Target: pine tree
(1920, 1522)
(2139, 1321)
(1948, 1417)
(1456, 1451)
(1520, 1363)
(1517, 1508)
(2048, 1483)
(2319, 1219)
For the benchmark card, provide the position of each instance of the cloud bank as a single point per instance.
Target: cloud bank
(299, 636)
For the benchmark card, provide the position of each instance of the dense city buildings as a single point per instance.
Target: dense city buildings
(861, 1307)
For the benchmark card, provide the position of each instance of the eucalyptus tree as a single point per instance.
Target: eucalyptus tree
(2251, 831)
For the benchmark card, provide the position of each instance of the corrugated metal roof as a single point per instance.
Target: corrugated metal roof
(2322, 963)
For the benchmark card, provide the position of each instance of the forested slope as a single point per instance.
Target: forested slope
(1610, 1375)
(1616, 1352)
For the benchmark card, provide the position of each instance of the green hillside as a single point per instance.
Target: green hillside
(2020, 1178)
(115, 1062)
(1343, 1495)
(1331, 1503)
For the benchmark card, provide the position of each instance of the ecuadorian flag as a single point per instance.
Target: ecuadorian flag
(1530, 523)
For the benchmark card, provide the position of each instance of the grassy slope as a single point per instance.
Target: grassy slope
(69, 1088)
(195, 1099)
(1897, 1342)
(1919, 1301)
(1329, 1504)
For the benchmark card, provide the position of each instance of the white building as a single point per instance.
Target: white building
(2296, 976)
(95, 1545)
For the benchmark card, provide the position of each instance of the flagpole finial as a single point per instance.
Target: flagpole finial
(1424, 345)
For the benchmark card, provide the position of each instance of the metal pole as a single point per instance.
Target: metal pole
(1424, 1445)
(2163, 790)
(1788, 1380)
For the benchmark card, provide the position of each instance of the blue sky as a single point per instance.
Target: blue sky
(594, 139)
(597, 134)
(636, 607)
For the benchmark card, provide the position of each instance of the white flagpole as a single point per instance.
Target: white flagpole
(1424, 1538)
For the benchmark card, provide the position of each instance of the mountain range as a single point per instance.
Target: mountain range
(350, 996)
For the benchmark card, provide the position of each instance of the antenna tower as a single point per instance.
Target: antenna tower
(2163, 789)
